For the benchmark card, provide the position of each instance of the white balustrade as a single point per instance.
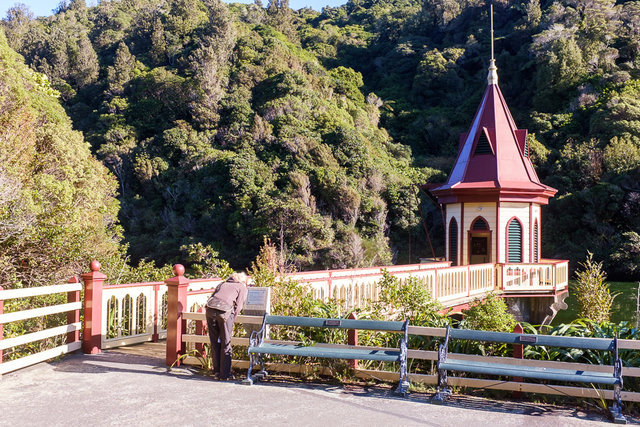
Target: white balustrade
(135, 312)
(71, 330)
(528, 277)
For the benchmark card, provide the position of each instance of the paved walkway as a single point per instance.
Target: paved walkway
(122, 388)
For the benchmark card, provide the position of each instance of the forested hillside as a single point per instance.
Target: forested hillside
(227, 123)
(57, 203)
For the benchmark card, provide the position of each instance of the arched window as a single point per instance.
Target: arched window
(514, 241)
(453, 241)
(535, 242)
(479, 224)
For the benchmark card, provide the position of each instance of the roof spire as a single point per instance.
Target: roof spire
(492, 78)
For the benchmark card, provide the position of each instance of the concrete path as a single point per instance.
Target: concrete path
(124, 389)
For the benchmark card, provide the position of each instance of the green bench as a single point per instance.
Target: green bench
(449, 362)
(258, 345)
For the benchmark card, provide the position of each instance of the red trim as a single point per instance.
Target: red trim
(132, 285)
(418, 266)
(156, 291)
(461, 246)
(506, 240)
(92, 333)
(476, 220)
(176, 325)
(201, 291)
(530, 232)
(498, 232)
(72, 316)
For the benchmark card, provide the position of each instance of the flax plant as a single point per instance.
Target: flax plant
(592, 292)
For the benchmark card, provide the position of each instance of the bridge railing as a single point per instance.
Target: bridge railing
(72, 329)
(550, 275)
(137, 312)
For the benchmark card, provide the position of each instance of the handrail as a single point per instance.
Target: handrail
(37, 291)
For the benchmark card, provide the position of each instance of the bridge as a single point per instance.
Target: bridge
(125, 314)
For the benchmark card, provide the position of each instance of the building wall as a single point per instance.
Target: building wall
(535, 210)
(471, 212)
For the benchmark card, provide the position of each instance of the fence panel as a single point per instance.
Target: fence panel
(70, 330)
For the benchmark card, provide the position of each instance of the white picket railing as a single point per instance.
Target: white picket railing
(446, 284)
(548, 276)
(72, 329)
(137, 312)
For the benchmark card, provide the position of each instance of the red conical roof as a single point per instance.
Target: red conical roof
(493, 162)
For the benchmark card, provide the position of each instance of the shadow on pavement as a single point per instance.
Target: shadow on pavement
(125, 362)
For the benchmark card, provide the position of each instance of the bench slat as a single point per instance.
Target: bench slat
(532, 339)
(529, 372)
(315, 322)
(326, 352)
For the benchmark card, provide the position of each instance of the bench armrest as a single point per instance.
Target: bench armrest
(444, 347)
(257, 337)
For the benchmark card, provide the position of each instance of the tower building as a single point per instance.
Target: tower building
(493, 196)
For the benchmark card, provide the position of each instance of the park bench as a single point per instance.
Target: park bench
(449, 362)
(258, 345)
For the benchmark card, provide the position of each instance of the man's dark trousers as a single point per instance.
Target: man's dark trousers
(222, 329)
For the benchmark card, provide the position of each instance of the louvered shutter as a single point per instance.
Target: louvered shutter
(514, 234)
(453, 242)
(535, 242)
(483, 147)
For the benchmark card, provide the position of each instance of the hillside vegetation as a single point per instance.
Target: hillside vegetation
(57, 203)
(227, 123)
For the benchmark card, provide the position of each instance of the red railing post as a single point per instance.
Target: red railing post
(352, 339)
(518, 353)
(1, 325)
(176, 305)
(156, 291)
(73, 316)
(92, 333)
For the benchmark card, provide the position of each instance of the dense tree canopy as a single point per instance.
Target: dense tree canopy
(57, 204)
(224, 124)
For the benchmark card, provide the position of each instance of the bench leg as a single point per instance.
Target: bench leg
(616, 409)
(403, 385)
(442, 391)
(254, 359)
(249, 380)
(263, 372)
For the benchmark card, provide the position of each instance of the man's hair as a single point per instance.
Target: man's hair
(239, 277)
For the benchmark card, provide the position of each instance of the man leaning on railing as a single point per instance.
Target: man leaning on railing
(222, 308)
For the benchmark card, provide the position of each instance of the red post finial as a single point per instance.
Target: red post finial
(95, 265)
(178, 269)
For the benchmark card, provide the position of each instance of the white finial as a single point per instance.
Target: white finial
(492, 78)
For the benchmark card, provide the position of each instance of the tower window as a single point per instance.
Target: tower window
(483, 146)
(480, 224)
(453, 241)
(514, 242)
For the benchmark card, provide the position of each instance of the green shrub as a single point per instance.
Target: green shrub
(489, 314)
(592, 292)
